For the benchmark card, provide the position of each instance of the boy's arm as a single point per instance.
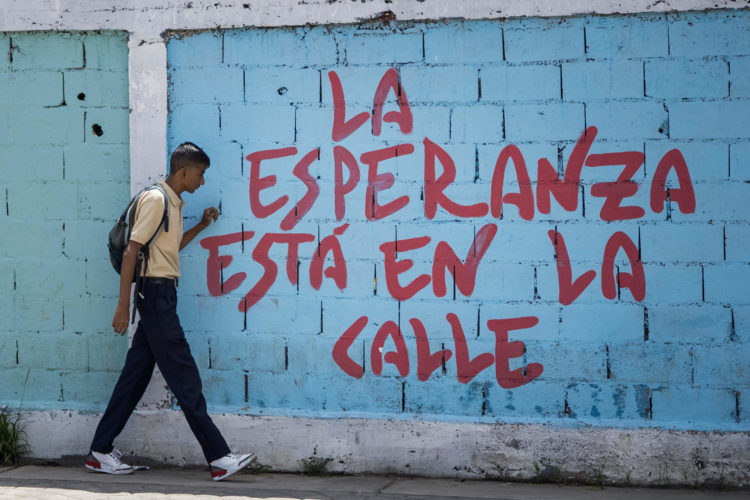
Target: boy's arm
(122, 313)
(209, 215)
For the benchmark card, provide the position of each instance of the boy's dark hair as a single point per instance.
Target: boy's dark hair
(187, 153)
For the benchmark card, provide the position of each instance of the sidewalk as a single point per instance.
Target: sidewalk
(58, 482)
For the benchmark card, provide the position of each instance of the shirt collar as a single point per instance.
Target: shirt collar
(174, 198)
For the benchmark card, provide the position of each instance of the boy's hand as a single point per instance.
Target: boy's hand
(209, 215)
(121, 320)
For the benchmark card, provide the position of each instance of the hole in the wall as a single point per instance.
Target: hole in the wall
(282, 90)
(81, 96)
(96, 129)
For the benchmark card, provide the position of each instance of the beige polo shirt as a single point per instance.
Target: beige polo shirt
(164, 254)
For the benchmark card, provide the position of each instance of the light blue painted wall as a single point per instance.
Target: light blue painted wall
(61, 187)
(676, 358)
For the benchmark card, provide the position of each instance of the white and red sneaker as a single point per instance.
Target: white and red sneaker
(227, 465)
(108, 463)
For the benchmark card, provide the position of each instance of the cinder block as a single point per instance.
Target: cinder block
(722, 366)
(315, 124)
(548, 282)
(483, 124)
(94, 162)
(725, 283)
(195, 50)
(89, 313)
(737, 237)
(537, 122)
(520, 83)
(630, 120)
(288, 315)
(651, 363)
(676, 405)
(686, 78)
(384, 47)
(104, 201)
(107, 126)
(210, 313)
(107, 351)
(31, 165)
(31, 88)
(14, 384)
(701, 323)
(60, 126)
(225, 391)
(341, 314)
(199, 348)
(67, 351)
(705, 160)
(463, 42)
(536, 400)
(362, 241)
(197, 123)
(106, 50)
(432, 122)
(259, 123)
(716, 201)
(7, 278)
(101, 278)
(739, 78)
(47, 50)
(548, 314)
(254, 353)
(600, 323)
(8, 343)
(60, 200)
(709, 120)
(38, 314)
(312, 355)
(498, 281)
(673, 284)
(566, 362)
(741, 316)
(96, 88)
(709, 34)
(32, 239)
(86, 390)
(358, 85)
(282, 85)
(601, 402)
(440, 84)
(445, 396)
(63, 277)
(360, 279)
(295, 47)
(739, 161)
(613, 79)
(41, 389)
(531, 152)
(544, 40)
(522, 241)
(431, 314)
(627, 37)
(206, 85)
(585, 242)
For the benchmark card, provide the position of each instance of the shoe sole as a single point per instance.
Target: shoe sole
(248, 461)
(95, 467)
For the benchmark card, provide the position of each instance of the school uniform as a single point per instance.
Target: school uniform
(159, 338)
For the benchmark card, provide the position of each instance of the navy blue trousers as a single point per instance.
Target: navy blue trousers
(159, 339)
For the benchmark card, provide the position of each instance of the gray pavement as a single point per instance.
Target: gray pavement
(61, 482)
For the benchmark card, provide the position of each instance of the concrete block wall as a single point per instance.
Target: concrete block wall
(665, 348)
(64, 178)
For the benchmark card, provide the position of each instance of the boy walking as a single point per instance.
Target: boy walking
(159, 338)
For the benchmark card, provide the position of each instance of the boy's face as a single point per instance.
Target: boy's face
(194, 176)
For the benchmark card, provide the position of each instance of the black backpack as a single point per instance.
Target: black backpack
(119, 237)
